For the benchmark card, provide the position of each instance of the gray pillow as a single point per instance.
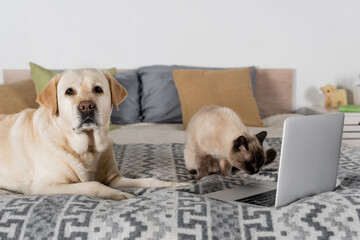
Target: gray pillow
(129, 109)
(159, 97)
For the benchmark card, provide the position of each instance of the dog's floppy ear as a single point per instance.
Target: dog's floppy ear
(118, 93)
(48, 96)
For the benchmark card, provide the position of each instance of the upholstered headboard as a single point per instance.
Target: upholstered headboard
(273, 88)
(274, 91)
(16, 75)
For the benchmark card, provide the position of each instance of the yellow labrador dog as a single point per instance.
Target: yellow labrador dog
(63, 146)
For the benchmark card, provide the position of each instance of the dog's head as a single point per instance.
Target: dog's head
(82, 98)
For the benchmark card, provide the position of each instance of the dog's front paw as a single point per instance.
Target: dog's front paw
(122, 196)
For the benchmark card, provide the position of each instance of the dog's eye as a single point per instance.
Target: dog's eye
(69, 92)
(98, 89)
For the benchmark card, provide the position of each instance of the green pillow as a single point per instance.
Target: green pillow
(41, 76)
(349, 108)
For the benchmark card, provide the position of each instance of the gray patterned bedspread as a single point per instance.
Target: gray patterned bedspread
(182, 213)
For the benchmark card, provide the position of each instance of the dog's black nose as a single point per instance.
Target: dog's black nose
(87, 106)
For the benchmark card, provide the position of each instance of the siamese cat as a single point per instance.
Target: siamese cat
(217, 139)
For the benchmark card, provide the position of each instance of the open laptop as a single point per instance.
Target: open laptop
(309, 162)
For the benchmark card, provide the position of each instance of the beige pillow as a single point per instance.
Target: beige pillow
(17, 96)
(226, 88)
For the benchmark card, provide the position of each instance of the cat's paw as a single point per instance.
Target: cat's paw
(270, 155)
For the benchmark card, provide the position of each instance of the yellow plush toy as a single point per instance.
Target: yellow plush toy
(334, 96)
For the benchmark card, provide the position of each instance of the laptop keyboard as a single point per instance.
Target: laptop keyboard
(266, 199)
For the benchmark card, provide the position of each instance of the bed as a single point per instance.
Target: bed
(156, 150)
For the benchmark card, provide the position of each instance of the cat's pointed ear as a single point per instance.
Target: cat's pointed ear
(270, 156)
(241, 144)
(261, 136)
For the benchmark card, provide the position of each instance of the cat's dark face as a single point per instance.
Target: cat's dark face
(248, 153)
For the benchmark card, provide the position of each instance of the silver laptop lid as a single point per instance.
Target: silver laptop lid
(309, 158)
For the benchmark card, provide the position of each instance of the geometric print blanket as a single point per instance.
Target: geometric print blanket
(182, 213)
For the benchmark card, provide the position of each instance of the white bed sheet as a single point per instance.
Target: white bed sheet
(175, 133)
